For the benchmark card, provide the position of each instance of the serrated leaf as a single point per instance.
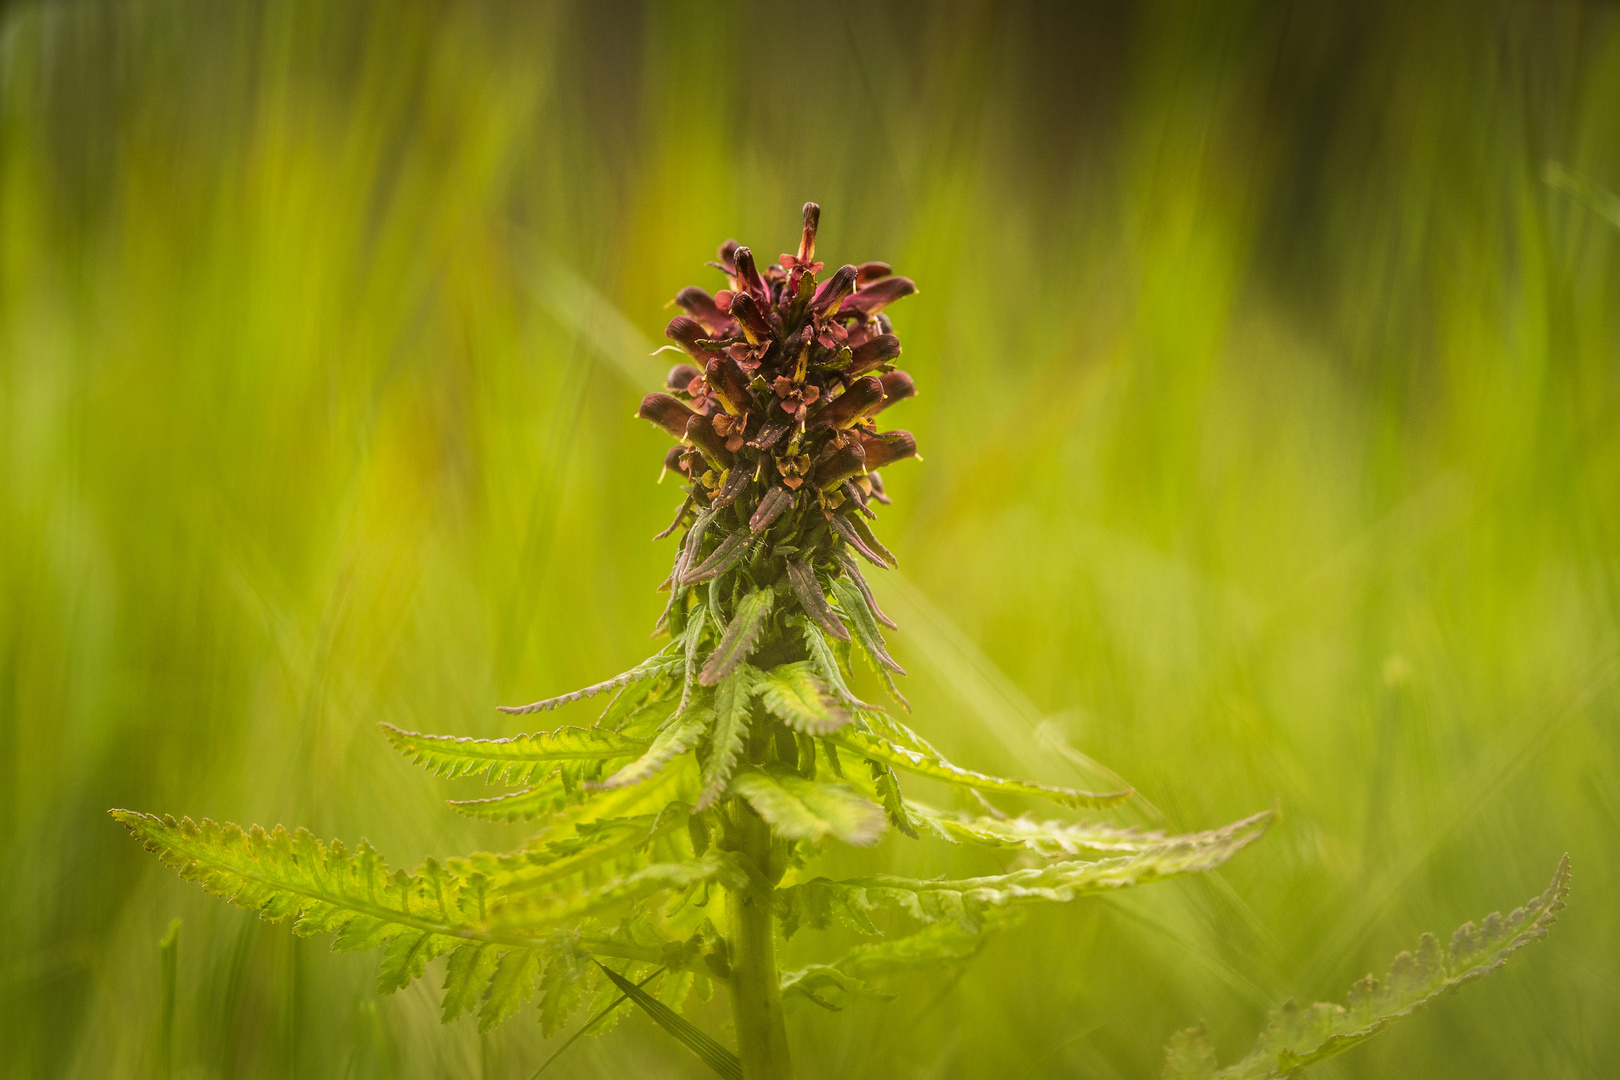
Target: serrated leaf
(826, 663)
(693, 635)
(711, 1053)
(677, 738)
(860, 537)
(466, 974)
(747, 623)
(723, 558)
(519, 759)
(861, 971)
(853, 569)
(731, 708)
(595, 844)
(800, 809)
(794, 694)
(322, 887)
(937, 768)
(530, 912)
(563, 985)
(820, 901)
(563, 809)
(509, 987)
(1047, 839)
(642, 672)
(853, 605)
(813, 600)
(1300, 1036)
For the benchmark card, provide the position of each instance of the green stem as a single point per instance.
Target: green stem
(756, 991)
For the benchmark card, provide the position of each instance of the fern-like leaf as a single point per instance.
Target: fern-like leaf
(853, 569)
(520, 759)
(861, 972)
(826, 662)
(1053, 839)
(566, 809)
(801, 809)
(813, 600)
(1301, 1036)
(740, 637)
(921, 763)
(723, 558)
(731, 700)
(531, 913)
(643, 672)
(678, 736)
(795, 695)
(820, 901)
(865, 625)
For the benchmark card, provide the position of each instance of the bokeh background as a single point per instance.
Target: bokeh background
(1271, 418)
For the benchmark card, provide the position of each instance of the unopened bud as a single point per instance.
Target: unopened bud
(875, 297)
(701, 306)
(887, 448)
(701, 434)
(874, 353)
(861, 397)
(748, 274)
(897, 386)
(847, 462)
(807, 243)
(745, 309)
(687, 332)
(871, 271)
(840, 285)
(680, 377)
(668, 413)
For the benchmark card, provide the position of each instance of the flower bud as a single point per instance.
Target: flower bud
(746, 310)
(687, 332)
(701, 434)
(847, 462)
(807, 243)
(680, 377)
(668, 413)
(897, 386)
(729, 383)
(873, 353)
(861, 397)
(875, 297)
(837, 287)
(887, 448)
(748, 275)
(701, 306)
(673, 460)
(871, 271)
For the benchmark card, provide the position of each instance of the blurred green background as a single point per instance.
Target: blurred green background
(1271, 417)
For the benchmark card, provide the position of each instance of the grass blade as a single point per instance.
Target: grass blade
(713, 1055)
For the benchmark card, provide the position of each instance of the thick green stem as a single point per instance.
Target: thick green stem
(756, 992)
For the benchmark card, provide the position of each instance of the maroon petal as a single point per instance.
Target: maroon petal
(847, 462)
(680, 377)
(837, 287)
(667, 412)
(897, 386)
(862, 396)
(878, 351)
(875, 297)
(701, 434)
(887, 448)
(807, 242)
(871, 271)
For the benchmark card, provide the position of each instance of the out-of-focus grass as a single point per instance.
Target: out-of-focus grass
(1269, 416)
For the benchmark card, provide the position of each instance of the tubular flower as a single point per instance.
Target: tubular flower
(776, 414)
